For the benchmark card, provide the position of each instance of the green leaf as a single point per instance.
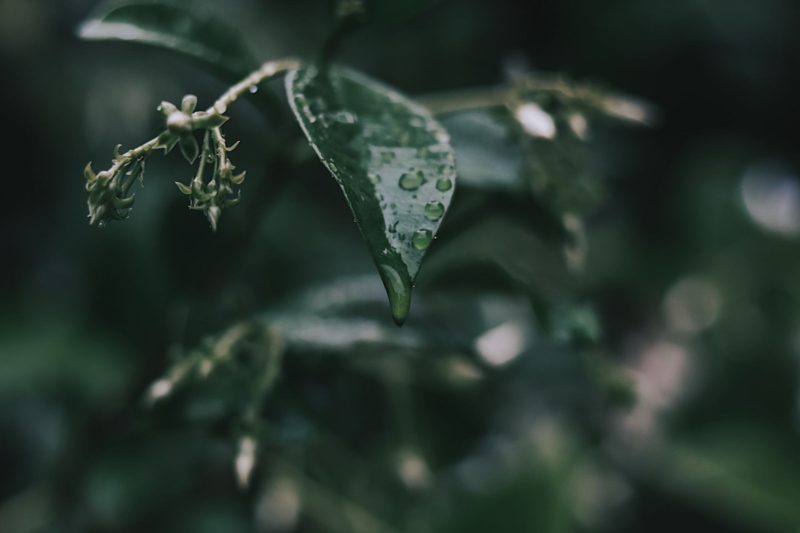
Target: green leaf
(392, 160)
(189, 148)
(203, 37)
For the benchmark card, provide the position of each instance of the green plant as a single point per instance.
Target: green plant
(393, 161)
(398, 162)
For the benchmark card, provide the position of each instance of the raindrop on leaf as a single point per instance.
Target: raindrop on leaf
(444, 184)
(411, 181)
(434, 211)
(422, 239)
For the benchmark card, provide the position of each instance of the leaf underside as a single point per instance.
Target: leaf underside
(392, 160)
(174, 28)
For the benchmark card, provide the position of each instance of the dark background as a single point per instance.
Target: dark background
(711, 195)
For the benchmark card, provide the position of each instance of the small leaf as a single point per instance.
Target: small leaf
(123, 203)
(175, 28)
(390, 158)
(189, 148)
(167, 141)
(185, 189)
(237, 179)
(89, 173)
(208, 120)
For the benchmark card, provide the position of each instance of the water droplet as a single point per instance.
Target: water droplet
(422, 239)
(434, 211)
(411, 181)
(254, 89)
(444, 184)
(374, 178)
(344, 117)
(397, 287)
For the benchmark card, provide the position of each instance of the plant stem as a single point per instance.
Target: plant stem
(201, 167)
(219, 144)
(133, 153)
(615, 105)
(267, 71)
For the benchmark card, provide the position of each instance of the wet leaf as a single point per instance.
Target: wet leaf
(392, 160)
(203, 37)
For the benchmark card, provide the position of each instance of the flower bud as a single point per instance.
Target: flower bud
(189, 103)
(179, 122)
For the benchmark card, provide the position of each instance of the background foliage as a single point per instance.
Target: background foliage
(655, 388)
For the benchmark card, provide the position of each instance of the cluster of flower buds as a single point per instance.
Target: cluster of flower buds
(213, 188)
(109, 191)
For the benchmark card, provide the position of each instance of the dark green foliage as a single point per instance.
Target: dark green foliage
(173, 27)
(392, 160)
(603, 336)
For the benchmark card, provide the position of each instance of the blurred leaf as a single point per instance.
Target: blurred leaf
(559, 172)
(745, 471)
(392, 160)
(168, 26)
(487, 154)
(514, 250)
(396, 9)
(48, 357)
(542, 144)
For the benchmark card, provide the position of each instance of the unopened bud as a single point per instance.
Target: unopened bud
(179, 122)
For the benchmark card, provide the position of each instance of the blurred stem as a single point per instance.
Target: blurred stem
(331, 509)
(347, 15)
(615, 105)
(27, 512)
(466, 100)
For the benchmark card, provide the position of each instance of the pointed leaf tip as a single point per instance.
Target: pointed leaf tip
(392, 160)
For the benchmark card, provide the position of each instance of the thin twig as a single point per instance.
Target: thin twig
(615, 105)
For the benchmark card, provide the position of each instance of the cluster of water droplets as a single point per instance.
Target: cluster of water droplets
(425, 174)
(401, 158)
